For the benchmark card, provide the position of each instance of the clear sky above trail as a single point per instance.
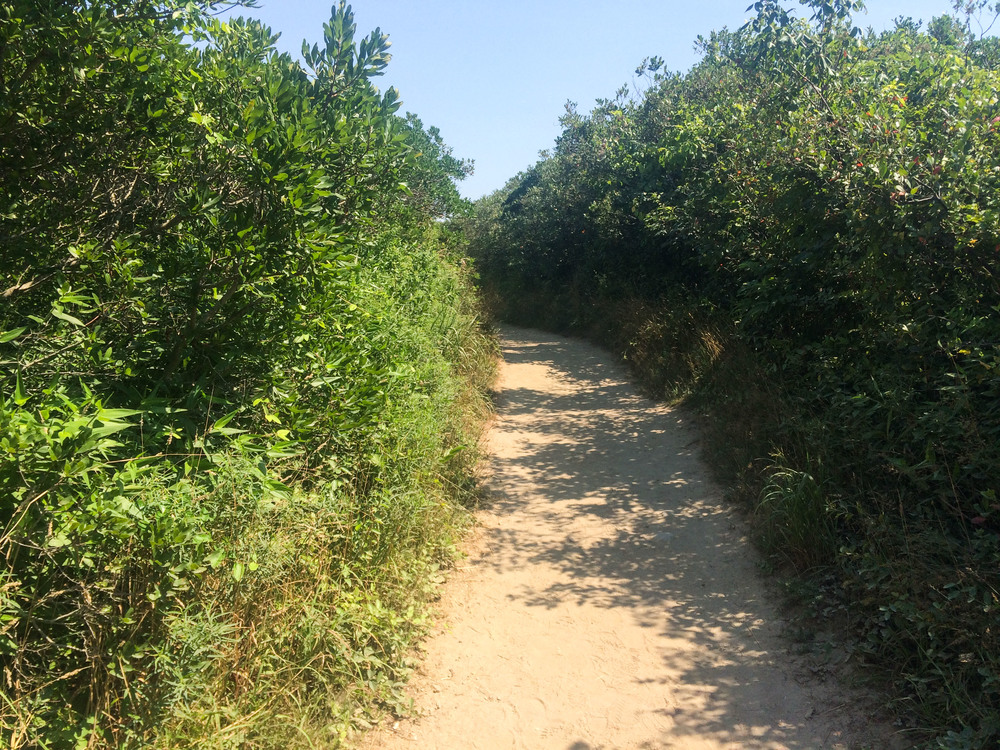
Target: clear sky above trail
(494, 76)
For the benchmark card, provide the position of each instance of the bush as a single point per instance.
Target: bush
(801, 234)
(243, 379)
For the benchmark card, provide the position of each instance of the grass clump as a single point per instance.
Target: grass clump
(792, 519)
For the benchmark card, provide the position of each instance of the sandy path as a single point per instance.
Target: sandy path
(610, 599)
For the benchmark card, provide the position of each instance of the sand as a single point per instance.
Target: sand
(610, 598)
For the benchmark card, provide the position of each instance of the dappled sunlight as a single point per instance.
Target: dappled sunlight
(629, 522)
(612, 600)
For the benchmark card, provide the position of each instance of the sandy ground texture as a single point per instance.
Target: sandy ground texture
(610, 598)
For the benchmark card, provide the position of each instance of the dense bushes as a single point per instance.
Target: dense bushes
(241, 378)
(819, 209)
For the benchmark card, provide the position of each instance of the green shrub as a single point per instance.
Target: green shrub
(243, 379)
(801, 234)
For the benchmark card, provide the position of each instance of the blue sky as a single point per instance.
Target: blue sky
(494, 76)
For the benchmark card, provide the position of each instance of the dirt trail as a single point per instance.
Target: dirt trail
(610, 599)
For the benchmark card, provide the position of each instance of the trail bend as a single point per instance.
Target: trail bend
(610, 599)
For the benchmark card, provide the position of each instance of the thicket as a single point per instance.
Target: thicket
(802, 234)
(242, 378)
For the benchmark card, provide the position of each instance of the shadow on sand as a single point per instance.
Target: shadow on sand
(674, 554)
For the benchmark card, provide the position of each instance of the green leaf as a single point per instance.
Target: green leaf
(110, 428)
(19, 398)
(68, 318)
(113, 415)
(59, 540)
(8, 336)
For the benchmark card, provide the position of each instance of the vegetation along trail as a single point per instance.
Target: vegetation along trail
(610, 599)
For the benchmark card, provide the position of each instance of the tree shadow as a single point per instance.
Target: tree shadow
(672, 553)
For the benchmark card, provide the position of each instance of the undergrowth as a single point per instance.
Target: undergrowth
(799, 238)
(836, 562)
(242, 607)
(242, 380)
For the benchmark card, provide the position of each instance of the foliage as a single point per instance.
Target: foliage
(240, 365)
(824, 203)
